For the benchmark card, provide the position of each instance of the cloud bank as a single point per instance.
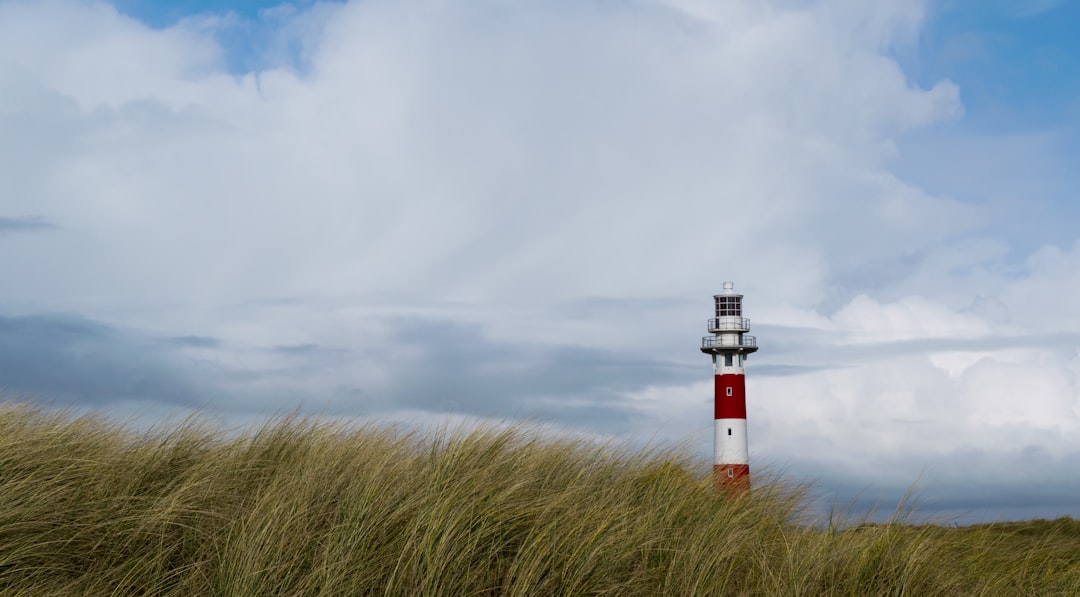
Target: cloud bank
(521, 209)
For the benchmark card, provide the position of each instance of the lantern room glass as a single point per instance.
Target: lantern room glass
(728, 306)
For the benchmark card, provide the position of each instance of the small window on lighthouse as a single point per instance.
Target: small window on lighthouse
(729, 391)
(729, 430)
(727, 360)
(731, 472)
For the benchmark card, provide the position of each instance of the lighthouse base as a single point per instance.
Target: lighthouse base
(731, 478)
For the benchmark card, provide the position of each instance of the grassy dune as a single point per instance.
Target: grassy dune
(295, 508)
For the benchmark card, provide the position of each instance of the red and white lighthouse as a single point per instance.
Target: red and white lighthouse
(729, 346)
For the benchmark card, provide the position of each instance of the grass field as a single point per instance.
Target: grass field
(88, 507)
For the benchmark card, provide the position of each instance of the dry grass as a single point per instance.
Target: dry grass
(296, 508)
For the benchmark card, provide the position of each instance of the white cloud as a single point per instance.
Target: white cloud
(866, 320)
(552, 151)
(88, 52)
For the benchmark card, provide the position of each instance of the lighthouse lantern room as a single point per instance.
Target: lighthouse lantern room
(729, 345)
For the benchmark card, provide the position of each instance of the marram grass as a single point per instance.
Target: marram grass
(88, 507)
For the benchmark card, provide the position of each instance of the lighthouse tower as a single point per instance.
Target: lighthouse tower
(729, 346)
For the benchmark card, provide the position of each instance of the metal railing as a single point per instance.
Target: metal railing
(728, 341)
(740, 324)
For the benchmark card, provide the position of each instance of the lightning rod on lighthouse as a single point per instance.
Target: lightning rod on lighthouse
(729, 346)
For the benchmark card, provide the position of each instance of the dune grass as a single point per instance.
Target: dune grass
(89, 507)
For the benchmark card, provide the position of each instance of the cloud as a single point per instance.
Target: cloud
(196, 341)
(978, 410)
(525, 154)
(72, 361)
(24, 224)
(521, 209)
(445, 367)
(456, 369)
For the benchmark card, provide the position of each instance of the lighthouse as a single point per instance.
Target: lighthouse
(729, 346)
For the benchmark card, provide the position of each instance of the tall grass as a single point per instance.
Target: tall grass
(88, 507)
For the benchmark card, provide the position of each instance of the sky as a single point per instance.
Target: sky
(431, 212)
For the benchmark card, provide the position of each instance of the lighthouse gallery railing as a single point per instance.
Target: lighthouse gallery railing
(723, 341)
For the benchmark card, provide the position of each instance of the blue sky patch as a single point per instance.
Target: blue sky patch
(252, 34)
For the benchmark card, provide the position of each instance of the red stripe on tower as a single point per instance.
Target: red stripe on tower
(729, 346)
(730, 393)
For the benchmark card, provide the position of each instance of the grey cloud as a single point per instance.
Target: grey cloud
(602, 307)
(70, 360)
(790, 339)
(440, 366)
(1055, 500)
(24, 224)
(249, 305)
(787, 341)
(986, 343)
(957, 488)
(452, 368)
(196, 341)
(770, 370)
(861, 277)
(310, 350)
(961, 502)
(296, 349)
